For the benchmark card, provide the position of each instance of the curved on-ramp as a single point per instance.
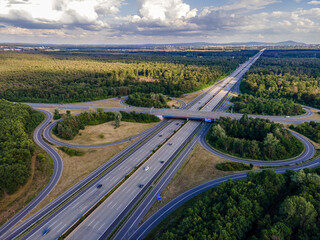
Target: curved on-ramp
(308, 153)
(58, 166)
(47, 134)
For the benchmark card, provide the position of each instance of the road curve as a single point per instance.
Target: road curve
(308, 153)
(47, 134)
(58, 166)
(161, 214)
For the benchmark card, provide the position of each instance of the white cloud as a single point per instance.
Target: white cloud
(86, 14)
(246, 5)
(314, 2)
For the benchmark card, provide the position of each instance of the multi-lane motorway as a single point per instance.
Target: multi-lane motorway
(168, 143)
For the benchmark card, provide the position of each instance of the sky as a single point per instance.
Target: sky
(158, 21)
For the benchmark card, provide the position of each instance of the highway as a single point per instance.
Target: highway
(207, 97)
(79, 205)
(104, 219)
(55, 203)
(101, 222)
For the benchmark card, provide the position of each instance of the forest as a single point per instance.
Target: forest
(249, 104)
(309, 129)
(264, 206)
(253, 138)
(156, 100)
(293, 75)
(17, 121)
(70, 126)
(76, 77)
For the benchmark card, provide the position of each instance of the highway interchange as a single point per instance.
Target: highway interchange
(171, 135)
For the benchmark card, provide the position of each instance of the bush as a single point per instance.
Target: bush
(233, 166)
(72, 152)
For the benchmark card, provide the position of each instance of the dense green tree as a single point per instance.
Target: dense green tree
(265, 206)
(309, 129)
(253, 138)
(17, 121)
(265, 106)
(117, 119)
(75, 77)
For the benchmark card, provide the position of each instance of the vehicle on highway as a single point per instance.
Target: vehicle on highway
(45, 231)
(99, 185)
(287, 116)
(160, 135)
(177, 123)
(146, 168)
(161, 161)
(141, 185)
(170, 144)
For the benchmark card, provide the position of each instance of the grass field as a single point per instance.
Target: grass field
(106, 133)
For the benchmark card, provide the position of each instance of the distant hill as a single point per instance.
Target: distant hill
(284, 43)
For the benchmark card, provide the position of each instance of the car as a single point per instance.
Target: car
(177, 123)
(287, 116)
(146, 168)
(99, 185)
(170, 144)
(161, 161)
(141, 185)
(45, 231)
(160, 135)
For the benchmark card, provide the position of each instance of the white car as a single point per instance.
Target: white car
(287, 116)
(146, 168)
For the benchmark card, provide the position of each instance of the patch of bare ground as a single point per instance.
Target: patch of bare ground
(315, 116)
(76, 168)
(103, 103)
(189, 97)
(107, 133)
(197, 169)
(174, 103)
(41, 171)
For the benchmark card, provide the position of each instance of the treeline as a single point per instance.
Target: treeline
(253, 138)
(67, 78)
(17, 121)
(249, 104)
(265, 206)
(70, 126)
(280, 75)
(309, 129)
(156, 100)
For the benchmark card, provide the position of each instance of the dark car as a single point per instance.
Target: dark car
(99, 185)
(170, 144)
(177, 123)
(45, 231)
(160, 135)
(141, 185)
(161, 161)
